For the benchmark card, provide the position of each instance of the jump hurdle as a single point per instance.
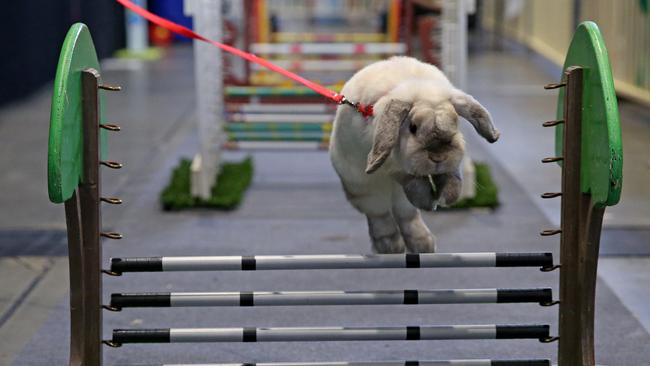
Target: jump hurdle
(589, 149)
(249, 27)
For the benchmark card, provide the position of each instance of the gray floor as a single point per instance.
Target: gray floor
(296, 206)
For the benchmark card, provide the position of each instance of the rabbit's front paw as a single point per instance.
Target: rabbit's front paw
(450, 186)
(391, 244)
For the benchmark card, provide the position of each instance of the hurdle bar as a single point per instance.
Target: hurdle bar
(306, 108)
(328, 48)
(542, 296)
(329, 334)
(281, 117)
(277, 127)
(319, 65)
(283, 37)
(482, 362)
(330, 261)
(288, 136)
(263, 91)
(276, 146)
(266, 78)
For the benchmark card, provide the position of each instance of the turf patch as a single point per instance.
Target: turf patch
(487, 193)
(227, 194)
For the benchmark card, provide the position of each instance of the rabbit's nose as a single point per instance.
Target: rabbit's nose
(437, 158)
(444, 135)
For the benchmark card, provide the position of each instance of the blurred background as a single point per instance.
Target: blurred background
(193, 117)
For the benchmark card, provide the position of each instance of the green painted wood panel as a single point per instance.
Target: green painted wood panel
(602, 152)
(65, 141)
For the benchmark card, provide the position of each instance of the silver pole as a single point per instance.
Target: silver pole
(306, 298)
(389, 363)
(314, 334)
(335, 298)
(344, 261)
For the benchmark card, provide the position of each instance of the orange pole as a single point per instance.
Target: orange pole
(394, 20)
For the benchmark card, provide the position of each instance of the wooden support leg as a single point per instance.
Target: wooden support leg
(89, 199)
(581, 227)
(75, 263)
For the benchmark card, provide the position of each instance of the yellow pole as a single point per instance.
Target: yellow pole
(264, 27)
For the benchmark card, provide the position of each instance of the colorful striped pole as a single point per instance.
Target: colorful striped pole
(328, 48)
(277, 127)
(350, 65)
(282, 37)
(286, 136)
(265, 91)
(276, 145)
(307, 108)
(281, 117)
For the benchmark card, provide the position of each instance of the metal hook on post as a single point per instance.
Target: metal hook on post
(550, 232)
(110, 127)
(112, 308)
(549, 339)
(112, 164)
(111, 200)
(109, 87)
(554, 86)
(111, 273)
(550, 268)
(111, 235)
(112, 343)
(548, 195)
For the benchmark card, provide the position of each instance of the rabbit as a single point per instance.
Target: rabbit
(406, 157)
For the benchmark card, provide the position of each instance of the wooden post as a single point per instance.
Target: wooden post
(89, 203)
(75, 264)
(581, 226)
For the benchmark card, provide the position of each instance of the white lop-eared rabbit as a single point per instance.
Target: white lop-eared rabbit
(407, 155)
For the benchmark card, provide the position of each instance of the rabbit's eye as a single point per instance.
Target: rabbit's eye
(413, 128)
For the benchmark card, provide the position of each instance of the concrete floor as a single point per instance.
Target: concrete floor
(296, 206)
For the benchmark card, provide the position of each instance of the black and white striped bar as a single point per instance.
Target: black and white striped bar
(341, 261)
(321, 334)
(306, 298)
(386, 363)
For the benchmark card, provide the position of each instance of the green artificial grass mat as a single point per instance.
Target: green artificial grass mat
(149, 54)
(487, 193)
(227, 194)
(234, 179)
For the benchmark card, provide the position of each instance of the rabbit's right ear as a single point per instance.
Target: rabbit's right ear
(386, 133)
(470, 109)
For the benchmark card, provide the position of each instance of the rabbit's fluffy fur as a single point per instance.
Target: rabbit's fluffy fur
(389, 163)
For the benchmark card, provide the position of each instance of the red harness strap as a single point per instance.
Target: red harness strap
(366, 111)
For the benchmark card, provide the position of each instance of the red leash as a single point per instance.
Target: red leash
(366, 111)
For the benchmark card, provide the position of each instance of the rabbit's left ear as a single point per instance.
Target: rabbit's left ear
(470, 109)
(386, 133)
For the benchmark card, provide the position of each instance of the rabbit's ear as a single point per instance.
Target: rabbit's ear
(470, 109)
(386, 133)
